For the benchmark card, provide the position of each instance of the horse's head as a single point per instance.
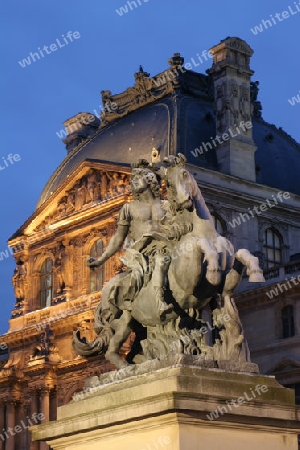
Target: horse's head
(180, 183)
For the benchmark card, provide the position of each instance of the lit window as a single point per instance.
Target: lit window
(97, 274)
(46, 283)
(287, 314)
(218, 224)
(272, 248)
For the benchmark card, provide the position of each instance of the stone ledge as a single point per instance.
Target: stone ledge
(181, 389)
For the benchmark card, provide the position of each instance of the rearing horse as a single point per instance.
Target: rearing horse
(184, 195)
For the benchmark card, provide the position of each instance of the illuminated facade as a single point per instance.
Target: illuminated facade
(176, 111)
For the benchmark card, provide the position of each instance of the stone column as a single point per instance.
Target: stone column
(34, 408)
(10, 424)
(19, 430)
(45, 410)
(23, 439)
(45, 405)
(53, 405)
(2, 422)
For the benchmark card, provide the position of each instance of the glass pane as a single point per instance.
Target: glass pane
(269, 238)
(97, 249)
(99, 245)
(270, 254)
(49, 265)
(288, 321)
(48, 280)
(43, 270)
(43, 299)
(219, 227)
(48, 297)
(99, 282)
(276, 241)
(93, 251)
(46, 283)
(278, 256)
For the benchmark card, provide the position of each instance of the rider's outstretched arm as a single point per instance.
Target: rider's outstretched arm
(113, 246)
(117, 240)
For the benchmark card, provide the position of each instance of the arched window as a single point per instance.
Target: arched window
(272, 248)
(287, 316)
(97, 274)
(46, 283)
(219, 226)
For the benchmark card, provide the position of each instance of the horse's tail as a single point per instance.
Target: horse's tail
(97, 347)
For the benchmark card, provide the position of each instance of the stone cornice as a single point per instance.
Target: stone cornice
(223, 185)
(25, 329)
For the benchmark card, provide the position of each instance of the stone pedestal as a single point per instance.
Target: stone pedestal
(180, 407)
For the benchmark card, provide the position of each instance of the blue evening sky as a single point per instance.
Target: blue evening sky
(36, 99)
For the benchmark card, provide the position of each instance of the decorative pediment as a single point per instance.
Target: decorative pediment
(92, 183)
(240, 45)
(94, 187)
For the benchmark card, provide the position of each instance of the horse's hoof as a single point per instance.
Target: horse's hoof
(213, 277)
(256, 277)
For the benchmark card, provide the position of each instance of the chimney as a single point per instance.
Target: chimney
(231, 77)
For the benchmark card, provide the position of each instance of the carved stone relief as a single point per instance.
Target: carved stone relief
(96, 186)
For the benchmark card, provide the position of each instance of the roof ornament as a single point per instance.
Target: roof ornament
(176, 61)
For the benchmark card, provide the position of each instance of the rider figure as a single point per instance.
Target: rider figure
(137, 221)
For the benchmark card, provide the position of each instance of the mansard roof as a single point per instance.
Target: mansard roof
(174, 112)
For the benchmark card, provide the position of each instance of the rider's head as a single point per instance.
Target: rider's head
(142, 179)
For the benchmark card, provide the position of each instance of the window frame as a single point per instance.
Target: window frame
(288, 321)
(272, 262)
(46, 272)
(217, 219)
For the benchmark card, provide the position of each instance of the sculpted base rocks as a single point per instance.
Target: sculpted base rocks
(161, 297)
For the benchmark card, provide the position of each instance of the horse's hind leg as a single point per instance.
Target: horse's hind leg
(233, 278)
(251, 262)
(122, 331)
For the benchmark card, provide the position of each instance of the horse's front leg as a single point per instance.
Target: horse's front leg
(211, 255)
(251, 262)
(122, 332)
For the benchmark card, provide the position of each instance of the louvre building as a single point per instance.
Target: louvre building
(248, 172)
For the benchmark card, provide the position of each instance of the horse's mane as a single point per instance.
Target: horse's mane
(199, 202)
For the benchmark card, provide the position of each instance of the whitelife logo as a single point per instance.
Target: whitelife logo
(265, 24)
(53, 47)
(292, 101)
(260, 389)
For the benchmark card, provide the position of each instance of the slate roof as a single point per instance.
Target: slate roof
(179, 122)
